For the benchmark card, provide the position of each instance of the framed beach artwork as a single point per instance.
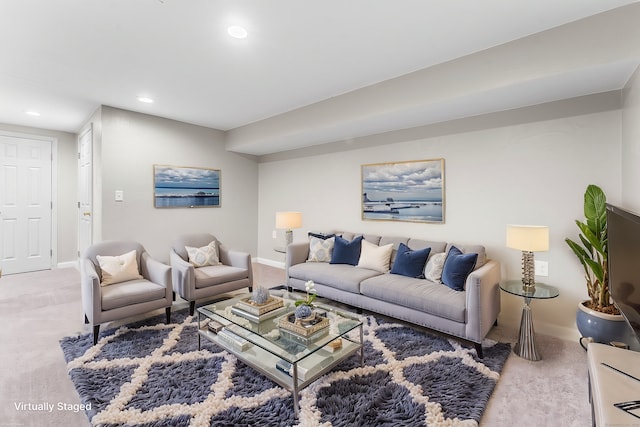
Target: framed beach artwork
(186, 187)
(404, 191)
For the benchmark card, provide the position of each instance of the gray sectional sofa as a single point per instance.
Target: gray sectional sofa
(468, 314)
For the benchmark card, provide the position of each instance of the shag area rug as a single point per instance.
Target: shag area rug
(152, 374)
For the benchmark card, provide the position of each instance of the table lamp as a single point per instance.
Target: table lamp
(528, 239)
(288, 221)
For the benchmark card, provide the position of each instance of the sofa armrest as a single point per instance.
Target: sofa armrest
(234, 258)
(297, 253)
(182, 275)
(237, 259)
(156, 271)
(483, 300)
(90, 283)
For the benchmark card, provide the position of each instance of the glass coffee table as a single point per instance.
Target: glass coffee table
(288, 359)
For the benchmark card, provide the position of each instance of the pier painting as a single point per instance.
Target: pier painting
(404, 191)
(186, 187)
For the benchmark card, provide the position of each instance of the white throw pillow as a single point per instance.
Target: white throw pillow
(120, 268)
(375, 257)
(206, 255)
(434, 267)
(320, 250)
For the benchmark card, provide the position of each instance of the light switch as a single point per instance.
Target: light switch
(541, 268)
(119, 195)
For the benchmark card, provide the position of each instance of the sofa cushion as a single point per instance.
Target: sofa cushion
(339, 276)
(418, 294)
(457, 266)
(410, 263)
(346, 252)
(216, 274)
(433, 269)
(472, 249)
(436, 247)
(320, 248)
(375, 257)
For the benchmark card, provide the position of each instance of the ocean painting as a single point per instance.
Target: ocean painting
(404, 191)
(186, 187)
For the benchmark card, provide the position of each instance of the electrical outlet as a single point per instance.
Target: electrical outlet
(119, 195)
(541, 268)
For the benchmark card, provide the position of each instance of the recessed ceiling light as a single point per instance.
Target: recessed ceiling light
(237, 32)
(145, 99)
(32, 113)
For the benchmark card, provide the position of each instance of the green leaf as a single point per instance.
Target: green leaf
(597, 269)
(578, 250)
(595, 209)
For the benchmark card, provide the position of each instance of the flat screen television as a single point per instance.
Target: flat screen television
(623, 228)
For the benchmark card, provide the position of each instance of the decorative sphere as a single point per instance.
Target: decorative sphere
(303, 311)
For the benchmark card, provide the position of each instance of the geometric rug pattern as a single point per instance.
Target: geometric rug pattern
(151, 374)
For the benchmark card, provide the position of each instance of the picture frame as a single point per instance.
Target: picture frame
(412, 191)
(186, 187)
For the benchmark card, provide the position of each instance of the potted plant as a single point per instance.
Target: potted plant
(304, 307)
(597, 317)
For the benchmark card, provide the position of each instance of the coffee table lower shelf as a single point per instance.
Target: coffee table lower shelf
(313, 366)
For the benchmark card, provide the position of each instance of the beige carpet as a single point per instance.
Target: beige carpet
(37, 309)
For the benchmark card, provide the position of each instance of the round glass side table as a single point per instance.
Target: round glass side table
(526, 345)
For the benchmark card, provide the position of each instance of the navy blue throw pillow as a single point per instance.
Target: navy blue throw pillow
(346, 252)
(457, 267)
(410, 263)
(321, 236)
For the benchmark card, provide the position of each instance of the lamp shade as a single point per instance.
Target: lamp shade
(530, 238)
(288, 220)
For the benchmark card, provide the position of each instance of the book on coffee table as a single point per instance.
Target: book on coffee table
(260, 317)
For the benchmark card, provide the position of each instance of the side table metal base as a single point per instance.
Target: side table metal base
(526, 345)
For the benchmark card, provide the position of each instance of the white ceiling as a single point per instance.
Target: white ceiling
(65, 58)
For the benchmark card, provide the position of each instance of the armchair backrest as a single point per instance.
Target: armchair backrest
(112, 248)
(194, 240)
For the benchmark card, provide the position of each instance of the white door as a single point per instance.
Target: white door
(25, 203)
(85, 190)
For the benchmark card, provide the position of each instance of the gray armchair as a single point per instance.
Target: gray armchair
(149, 291)
(194, 283)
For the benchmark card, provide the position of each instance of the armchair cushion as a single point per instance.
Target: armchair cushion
(119, 268)
(215, 275)
(206, 255)
(131, 292)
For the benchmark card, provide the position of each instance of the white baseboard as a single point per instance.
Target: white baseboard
(68, 264)
(544, 328)
(270, 262)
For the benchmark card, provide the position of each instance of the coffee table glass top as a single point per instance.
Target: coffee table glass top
(267, 335)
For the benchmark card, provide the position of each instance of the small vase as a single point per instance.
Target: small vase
(303, 311)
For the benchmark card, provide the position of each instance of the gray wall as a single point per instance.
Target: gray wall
(131, 143)
(66, 207)
(519, 167)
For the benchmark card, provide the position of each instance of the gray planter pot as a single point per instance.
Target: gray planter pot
(602, 327)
